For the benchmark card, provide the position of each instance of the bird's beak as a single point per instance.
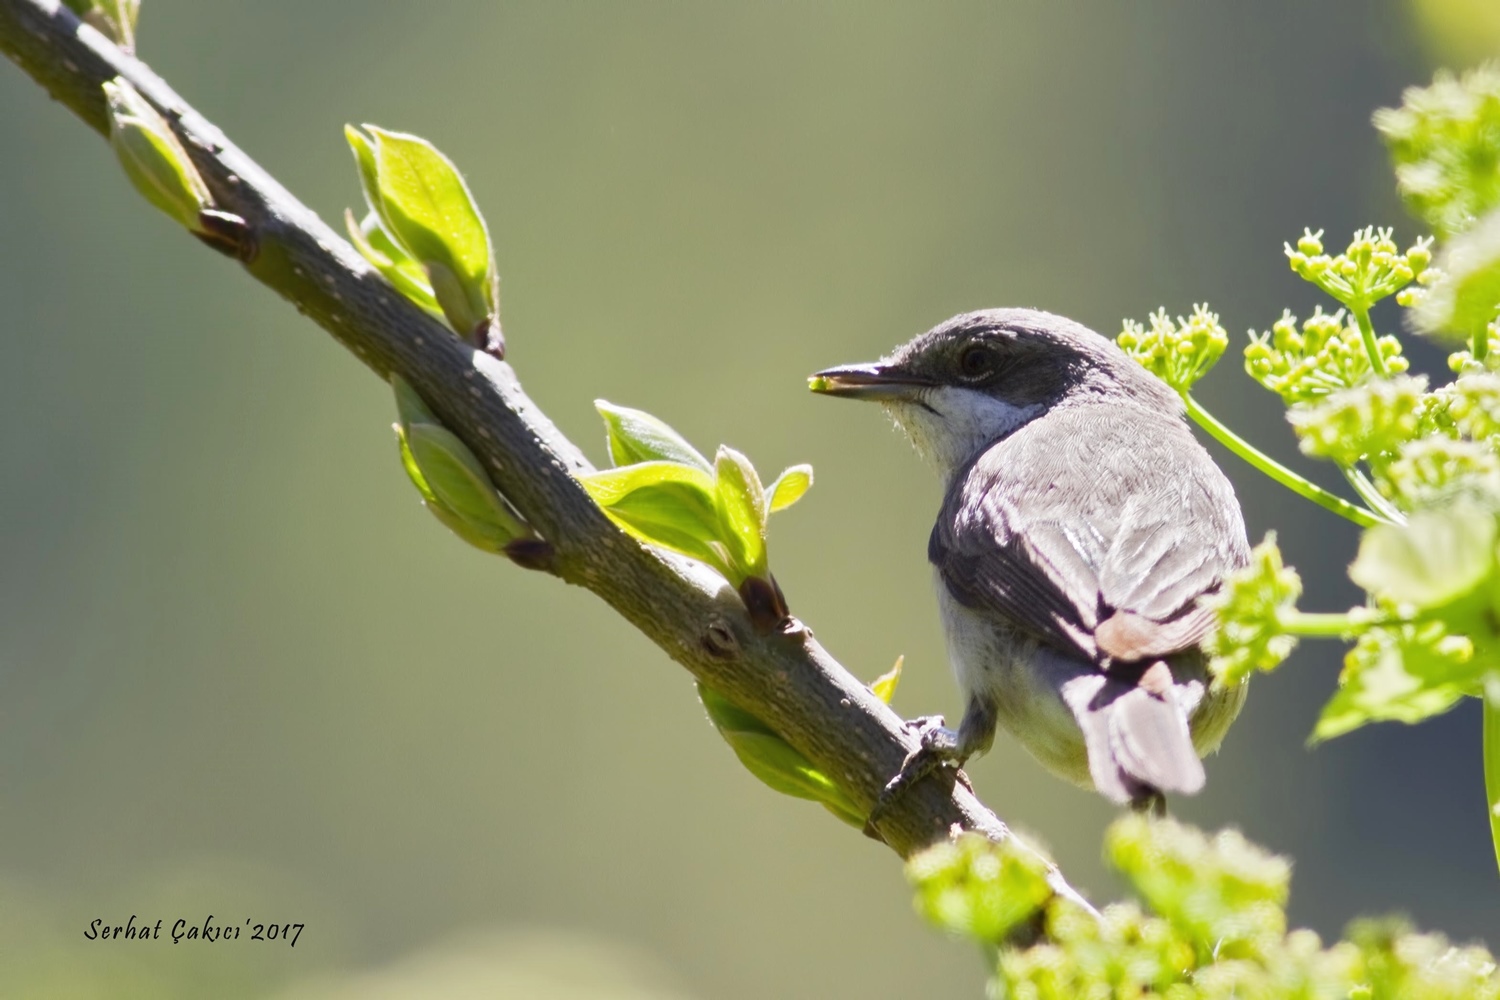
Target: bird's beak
(877, 381)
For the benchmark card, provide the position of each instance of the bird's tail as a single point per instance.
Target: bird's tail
(1137, 736)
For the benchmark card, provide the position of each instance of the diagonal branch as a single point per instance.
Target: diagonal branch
(785, 678)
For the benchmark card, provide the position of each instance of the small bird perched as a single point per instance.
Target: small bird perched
(1081, 525)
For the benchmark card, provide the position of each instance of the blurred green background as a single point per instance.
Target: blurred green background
(243, 673)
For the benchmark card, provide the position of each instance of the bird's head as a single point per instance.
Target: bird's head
(979, 376)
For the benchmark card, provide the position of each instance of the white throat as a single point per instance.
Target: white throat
(956, 423)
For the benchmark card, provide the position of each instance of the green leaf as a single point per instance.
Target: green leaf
(637, 436)
(410, 406)
(663, 503)
(1437, 557)
(153, 158)
(741, 504)
(884, 686)
(413, 471)
(726, 715)
(482, 536)
(1492, 756)
(609, 487)
(369, 173)
(1405, 673)
(790, 486)
(404, 274)
(772, 760)
(460, 485)
(428, 210)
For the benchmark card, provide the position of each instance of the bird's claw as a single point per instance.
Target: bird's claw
(937, 748)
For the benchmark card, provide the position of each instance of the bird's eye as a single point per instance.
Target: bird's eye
(975, 361)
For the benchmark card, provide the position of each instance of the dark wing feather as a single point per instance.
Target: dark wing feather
(1096, 535)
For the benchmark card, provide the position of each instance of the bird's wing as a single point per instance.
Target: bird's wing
(1095, 534)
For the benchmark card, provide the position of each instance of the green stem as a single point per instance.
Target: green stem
(1481, 343)
(1370, 495)
(1286, 477)
(1314, 624)
(1372, 346)
(1492, 757)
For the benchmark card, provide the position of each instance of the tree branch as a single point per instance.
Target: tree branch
(785, 678)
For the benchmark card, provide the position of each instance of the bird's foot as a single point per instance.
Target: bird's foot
(937, 748)
(1149, 802)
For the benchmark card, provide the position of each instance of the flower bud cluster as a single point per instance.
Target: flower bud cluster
(1251, 635)
(1432, 470)
(1179, 353)
(1371, 268)
(1373, 418)
(1464, 362)
(1325, 354)
(1445, 141)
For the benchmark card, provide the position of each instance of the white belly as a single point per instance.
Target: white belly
(1021, 681)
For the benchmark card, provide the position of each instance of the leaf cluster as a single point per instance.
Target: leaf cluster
(663, 491)
(424, 233)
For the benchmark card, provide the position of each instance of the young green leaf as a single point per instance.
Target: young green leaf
(790, 486)
(483, 536)
(884, 686)
(740, 501)
(460, 485)
(410, 406)
(1437, 557)
(369, 173)
(772, 760)
(663, 503)
(404, 274)
(1405, 673)
(153, 158)
(637, 436)
(428, 210)
(413, 470)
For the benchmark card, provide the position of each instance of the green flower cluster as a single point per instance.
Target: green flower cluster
(977, 888)
(1371, 268)
(1473, 404)
(1445, 143)
(1216, 927)
(1251, 635)
(1224, 893)
(1465, 363)
(1432, 470)
(1179, 353)
(1326, 354)
(1368, 420)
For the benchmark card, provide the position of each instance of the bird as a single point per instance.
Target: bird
(1081, 529)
